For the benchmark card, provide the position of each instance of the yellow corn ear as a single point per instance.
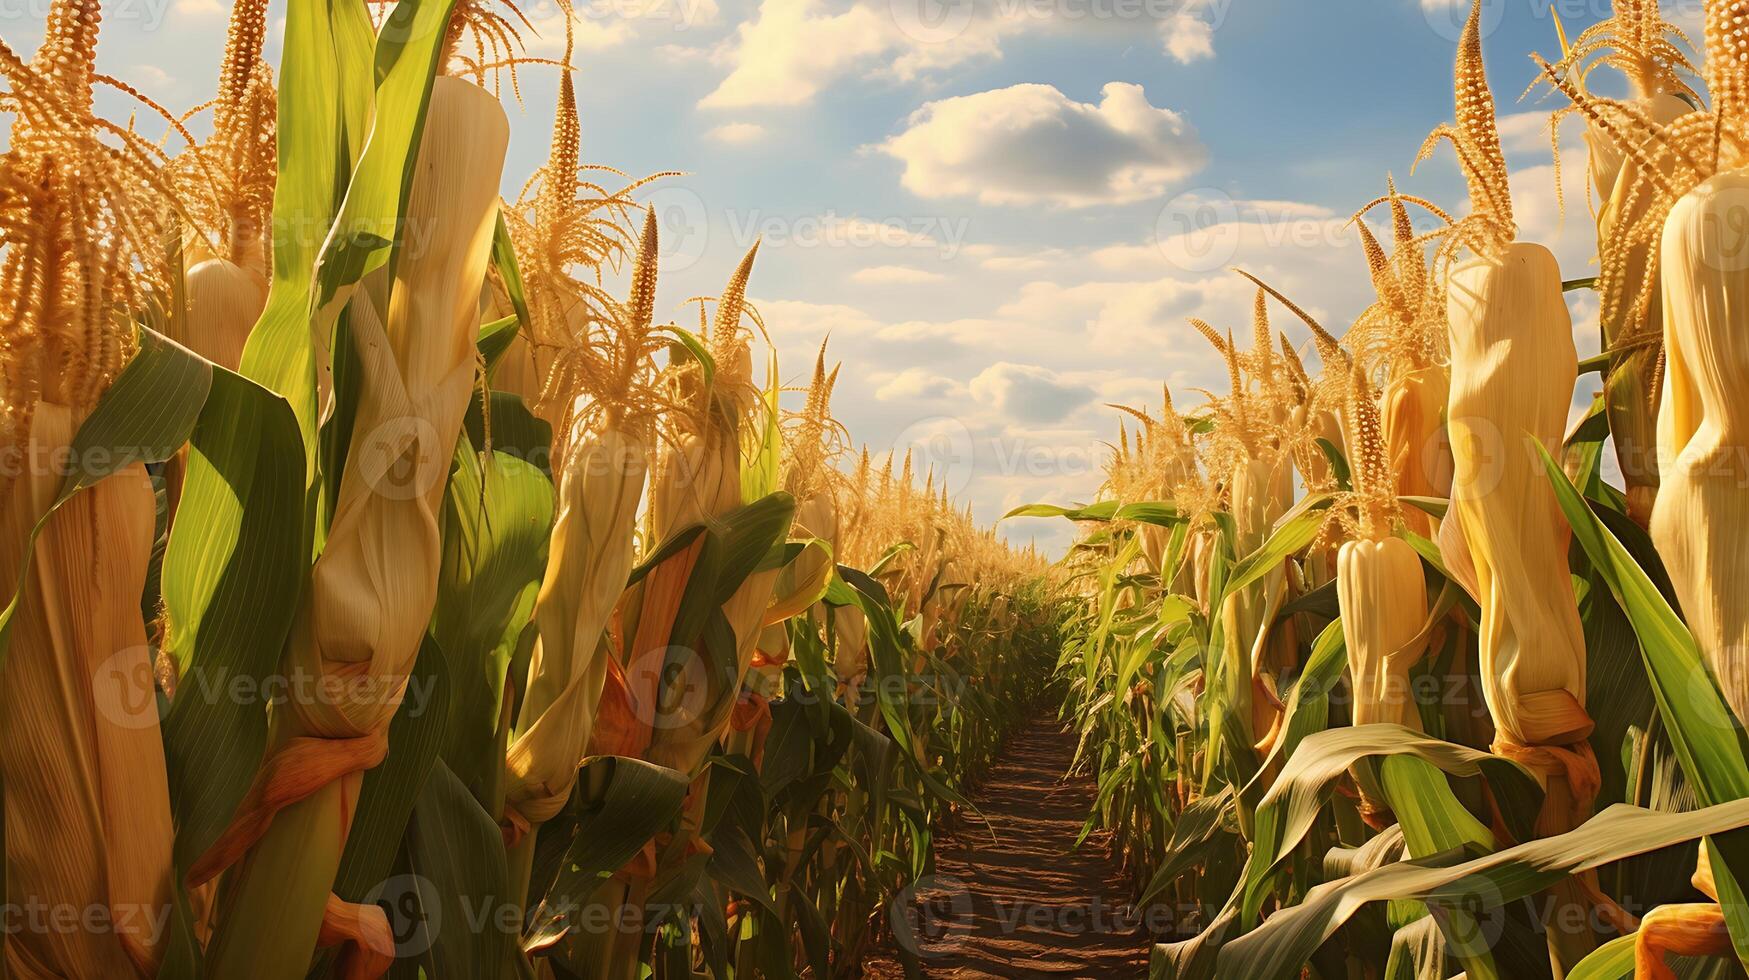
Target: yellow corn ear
(87, 807)
(1384, 609)
(587, 568)
(696, 479)
(1702, 433)
(224, 301)
(371, 592)
(1415, 439)
(1513, 369)
(1260, 492)
(850, 628)
(1630, 389)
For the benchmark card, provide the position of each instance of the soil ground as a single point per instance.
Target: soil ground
(1015, 899)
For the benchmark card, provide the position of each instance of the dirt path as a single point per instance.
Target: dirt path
(1025, 904)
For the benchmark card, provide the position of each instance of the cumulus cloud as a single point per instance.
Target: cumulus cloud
(1028, 392)
(1030, 144)
(793, 49)
(797, 322)
(895, 275)
(917, 384)
(1189, 37)
(737, 133)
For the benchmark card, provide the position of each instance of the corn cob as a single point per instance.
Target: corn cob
(87, 810)
(226, 281)
(590, 560)
(374, 586)
(1513, 369)
(1699, 433)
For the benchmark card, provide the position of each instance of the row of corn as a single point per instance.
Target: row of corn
(389, 592)
(1382, 676)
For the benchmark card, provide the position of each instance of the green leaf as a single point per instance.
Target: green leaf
(1287, 811)
(1159, 513)
(1702, 729)
(457, 870)
(638, 800)
(390, 791)
(369, 227)
(145, 417)
(495, 338)
(1281, 946)
(324, 98)
(1613, 960)
(233, 571)
(496, 520)
(510, 275)
(1297, 529)
(1201, 824)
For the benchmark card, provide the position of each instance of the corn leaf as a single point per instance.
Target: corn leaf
(497, 515)
(638, 800)
(454, 857)
(324, 95)
(233, 569)
(1280, 947)
(1706, 738)
(1297, 529)
(1287, 811)
(144, 417)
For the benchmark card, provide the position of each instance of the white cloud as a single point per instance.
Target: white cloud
(1028, 392)
(797, 324)
(793, 49)
(917, 384)
(1189, 38)
(1030, 144)
(200, 8)
(895, 275)
(150, 75)
(737, 133)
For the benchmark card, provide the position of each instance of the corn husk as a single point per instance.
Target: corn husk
(87, 806)
(1416, 440)
(224, 301)
(1513, 365)
(590, 560)
(1384, 607)
(1631, 385)
(1698, 519)
(372, 591)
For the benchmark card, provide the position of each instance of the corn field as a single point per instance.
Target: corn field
(392, 590)
(1379, 673)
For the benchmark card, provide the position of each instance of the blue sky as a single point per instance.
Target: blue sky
(1002, 210)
